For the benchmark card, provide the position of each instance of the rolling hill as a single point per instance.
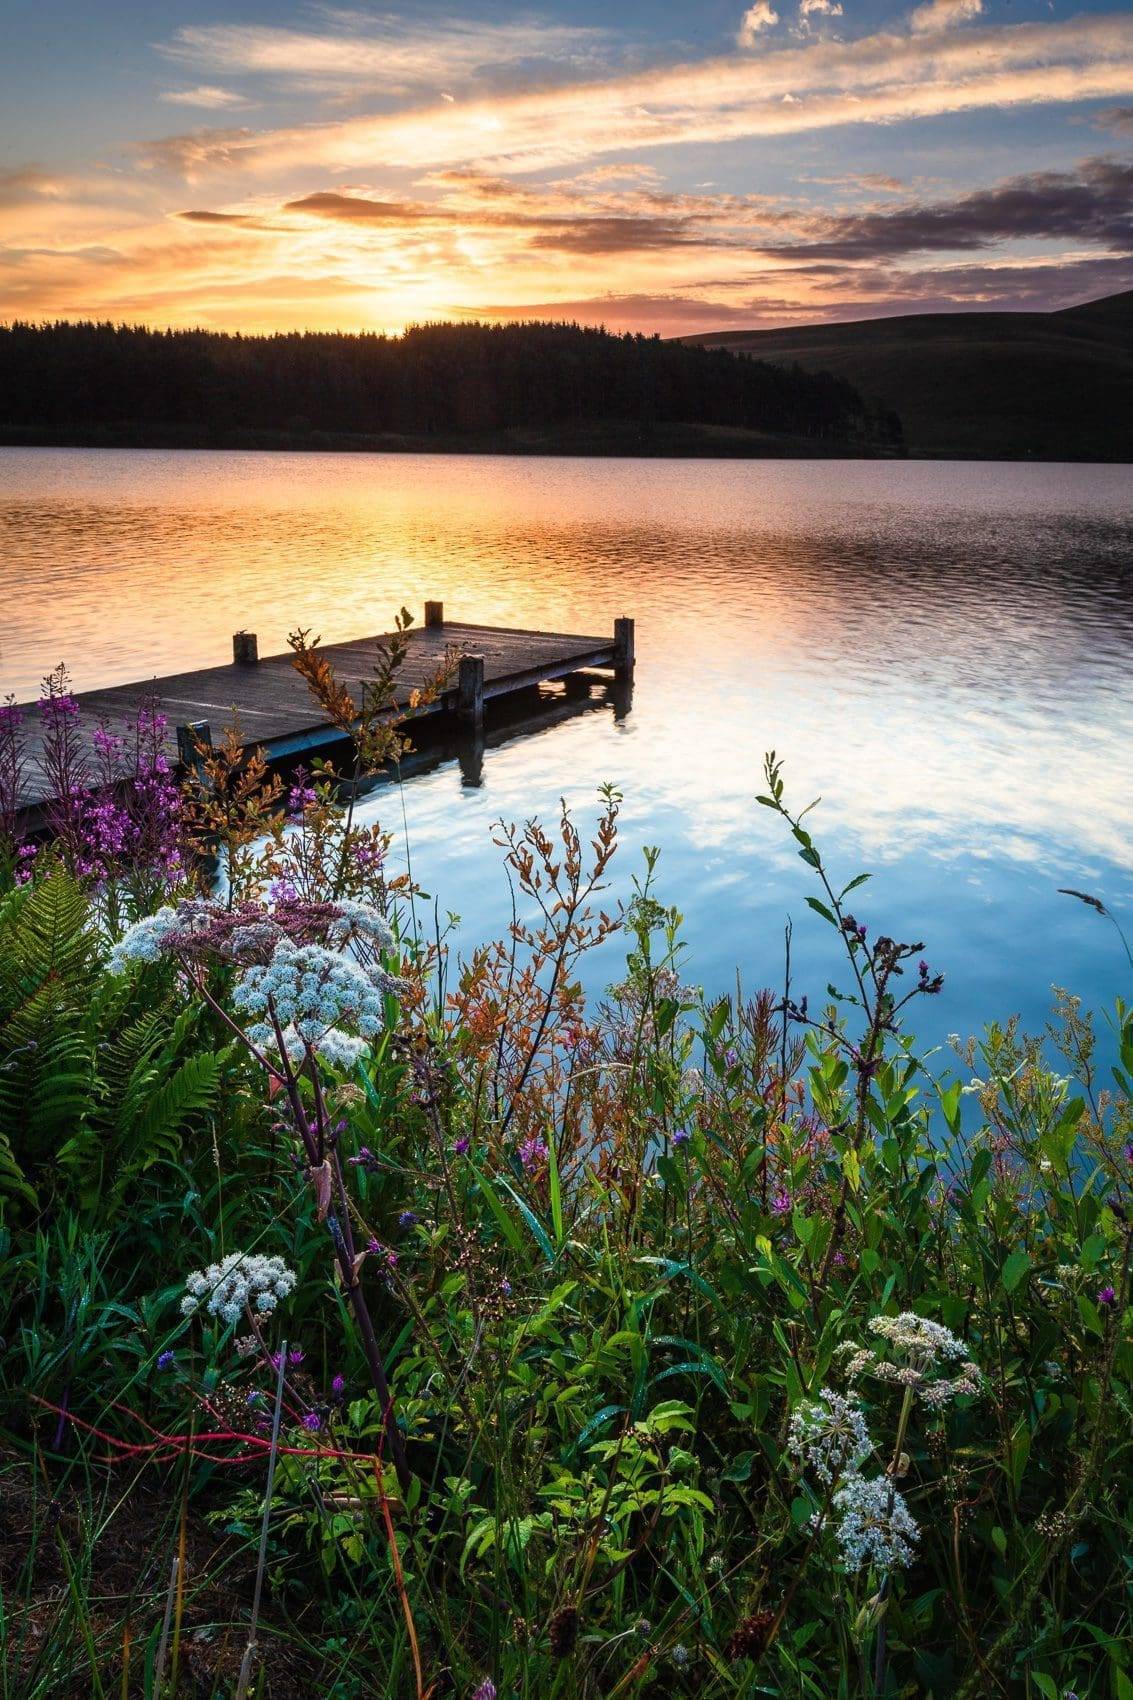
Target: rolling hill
(1043, 386)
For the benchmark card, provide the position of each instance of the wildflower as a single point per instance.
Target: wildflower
(876, 1526)
(312, 1421)
(338, 1386)
(505, 1287)
(1107, 1296)
(681, 1656)
(462, 1146)
(242, 1279)
(296, 1355)
(166, 1360)
(408, 1219)
(643, 1627)
(486, 1690)
(533, 1153)
(681, 1137)
(781, 1203)
(563, 1632)
(926, 1347)
(829, 1434)
(749, 1638)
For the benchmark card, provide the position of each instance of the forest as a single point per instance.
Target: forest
(87, 382)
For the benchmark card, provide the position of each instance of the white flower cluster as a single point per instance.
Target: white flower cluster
(145, 940)
(358, 920)
(314, 993)
(830, 1435)
(928, 1352)
(876, 1526)
(240, 1280)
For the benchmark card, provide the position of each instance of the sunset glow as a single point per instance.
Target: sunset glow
(365, 170)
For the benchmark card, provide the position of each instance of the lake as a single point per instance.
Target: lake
(943, 651)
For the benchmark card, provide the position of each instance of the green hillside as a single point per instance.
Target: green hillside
(1048, 386)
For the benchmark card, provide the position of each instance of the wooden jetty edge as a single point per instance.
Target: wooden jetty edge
(274, 711)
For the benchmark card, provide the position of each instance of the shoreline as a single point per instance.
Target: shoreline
(658, 443)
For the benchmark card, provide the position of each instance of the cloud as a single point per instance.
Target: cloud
(390, 52)
(821, 84)
(1093, 204)
(809, 9)
(943, 14)
(27, 183)
(205, 94)
(761, 16)
(1118, 120)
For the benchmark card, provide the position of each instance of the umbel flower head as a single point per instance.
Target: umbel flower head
(830, 1435)
(925, 1356)
(242, 1280)
(875, 1526)
(314, 994)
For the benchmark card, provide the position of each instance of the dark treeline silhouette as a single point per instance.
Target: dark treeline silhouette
(436, 381)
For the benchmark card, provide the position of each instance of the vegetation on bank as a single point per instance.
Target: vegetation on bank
(525, 388)
(381, 1323)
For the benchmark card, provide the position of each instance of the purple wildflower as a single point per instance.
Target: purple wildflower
(296, 1355)
(313, 1422)
(1107, 1296)
(505, 1287)
(681, 1136)
(486, 1690)
(533, 1153)
(338, 1386)
(462, 1146)
(781, 1202)
(408, 1219)
(166, 1360)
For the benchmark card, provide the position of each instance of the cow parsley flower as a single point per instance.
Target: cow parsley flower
(144, 941)
(239, 1281)
(830, 1435)
(876, 1526)
(918, 1338)
(359, 920)
(315, 995)
(929, 1354)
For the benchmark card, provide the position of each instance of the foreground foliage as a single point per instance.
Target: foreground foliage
(663, 1346)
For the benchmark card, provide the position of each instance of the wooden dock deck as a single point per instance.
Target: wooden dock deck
(271, 704)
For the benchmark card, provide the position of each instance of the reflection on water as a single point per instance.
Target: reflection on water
(941, 650)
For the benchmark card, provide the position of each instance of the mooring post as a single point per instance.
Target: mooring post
(194, 740)
(434, 613)
(245, 648)
(623, 648)
(470, 690)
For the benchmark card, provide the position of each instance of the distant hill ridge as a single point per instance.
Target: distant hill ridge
(1048, 386)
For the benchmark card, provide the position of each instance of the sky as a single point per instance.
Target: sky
(658, 167)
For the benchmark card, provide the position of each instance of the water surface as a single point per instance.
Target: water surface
(941, 650)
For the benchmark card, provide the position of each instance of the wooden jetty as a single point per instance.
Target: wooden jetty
(270, 703)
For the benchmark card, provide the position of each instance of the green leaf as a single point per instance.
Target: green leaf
(1014, 1270)
(1045, 1684)
(496, 1205)
(821, 909)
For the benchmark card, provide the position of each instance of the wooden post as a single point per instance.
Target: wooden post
(245, 648)
(470, 690)
(190, 738)
(623, 648)
(434, 613)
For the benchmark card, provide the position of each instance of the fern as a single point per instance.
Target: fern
(101, 1075)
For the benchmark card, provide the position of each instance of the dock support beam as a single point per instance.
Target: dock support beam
(193, 742)
(245, 648)
(434, 613)
(623, 648)
(470, 690)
